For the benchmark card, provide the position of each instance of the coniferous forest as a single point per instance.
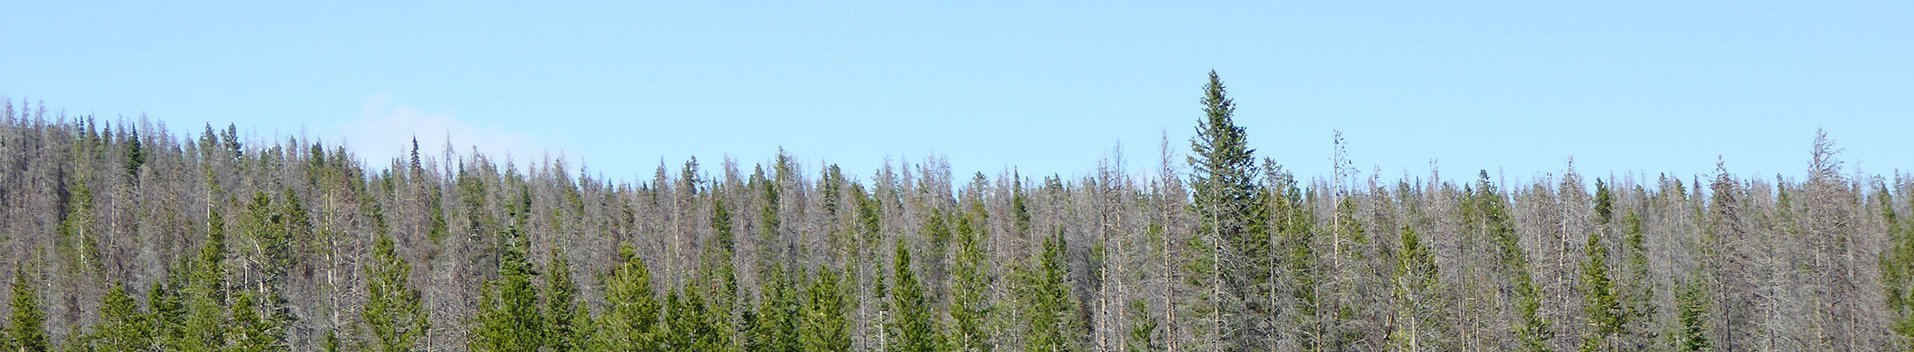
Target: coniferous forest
(127, 236)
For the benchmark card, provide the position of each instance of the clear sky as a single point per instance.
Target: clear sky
(1048, 86)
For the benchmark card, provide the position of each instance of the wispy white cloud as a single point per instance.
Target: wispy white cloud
(385, 130)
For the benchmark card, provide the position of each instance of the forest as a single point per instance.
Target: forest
(122, 235)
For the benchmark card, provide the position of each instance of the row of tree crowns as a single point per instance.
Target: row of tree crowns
(470, 255)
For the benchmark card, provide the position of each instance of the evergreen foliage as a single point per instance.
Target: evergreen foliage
(509, 316)
(26, 327)
(630, 322)
(394, 314)
(122, 241)
(123, 325)
(913, 329)
(824, 326)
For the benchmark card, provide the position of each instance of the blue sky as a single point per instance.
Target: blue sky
(1050, 87)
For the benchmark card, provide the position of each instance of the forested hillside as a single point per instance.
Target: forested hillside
(124, 235)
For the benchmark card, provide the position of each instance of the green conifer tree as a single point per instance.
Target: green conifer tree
(630, 322)
(123, 326)
(969, 276)
(1142, 328)
(912, 329)
(26, 327)
(774, 325)
(1532, 330)
(169, 313)
(675, 326)
(80, 244)
(205, 292)
(695, 326)
(1418, 289)
(1600, 304)
(394, 314)
(1051, 313)
(824, 326)
(567, 327)
(509, 318)
(249, 331)
(720, 273)
(1222, 175)
(1691, 335)
(1897, 269)
(1638, 293)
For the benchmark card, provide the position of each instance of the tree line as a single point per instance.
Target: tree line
(124, 236)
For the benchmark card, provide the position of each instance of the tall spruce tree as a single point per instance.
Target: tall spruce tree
(912, 329)
(694, 325)
(1691, 331)
(509, 317)
(169, 313)
(1897, 269)
(251, 331)
(1601, 305)
(395, 316)
(773, 326)
(1143, 335)
(1532, 330)
(824, 326)
(123, 326)
(1222, 173)
(26, 327)
(630, 321)
(206, 292)
(1418, 296)
(1638, 289)
(567, 327)
(1300, 272)
(1052, 316)
(969, 307)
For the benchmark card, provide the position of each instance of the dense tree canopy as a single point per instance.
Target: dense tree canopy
(125, 235)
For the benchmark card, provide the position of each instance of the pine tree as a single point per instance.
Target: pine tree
(249, 331)
(1350, 280)
(774, 325)
(169, 313)
(674, 325)
(332, 343)
(912, 329)
(1299, 260)
(1418, 289)
(205, 295)
(969, 276)
(1051, 313)
(26, 328)
(1142, 328)
(1638, 293)
(1532, 330)
(123, 326)
(720, 274)
(394, 315)
(1692, 307)
(566, 326)
(1601, 306)
(135, 155)
(509, 318)
(79, 241)
(1222, 173)
(267, 246)
(1897, 269)
(824, 326)
(631, 321)
(694, 325)
(1604, 202)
